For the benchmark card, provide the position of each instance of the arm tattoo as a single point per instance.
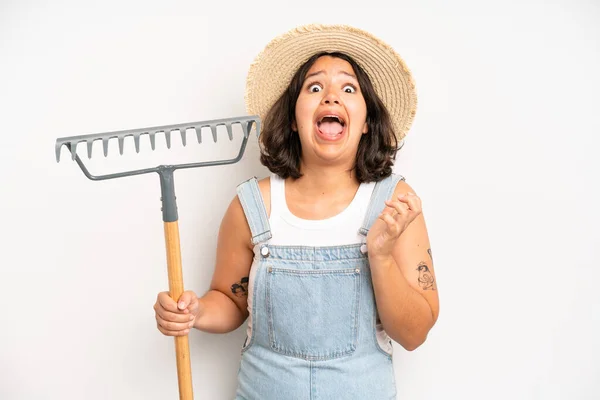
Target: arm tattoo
(426, 280)
(240, 289)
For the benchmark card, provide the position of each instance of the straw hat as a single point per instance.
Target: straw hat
(273, 69)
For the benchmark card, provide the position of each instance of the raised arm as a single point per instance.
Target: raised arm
(405, 285)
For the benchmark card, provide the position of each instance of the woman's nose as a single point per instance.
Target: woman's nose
(331, 98)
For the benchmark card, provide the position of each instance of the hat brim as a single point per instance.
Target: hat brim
(272, 70)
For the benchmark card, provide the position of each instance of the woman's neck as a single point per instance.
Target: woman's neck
(325, 181)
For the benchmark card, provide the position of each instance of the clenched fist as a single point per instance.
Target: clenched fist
(393, 220)
(176, 319)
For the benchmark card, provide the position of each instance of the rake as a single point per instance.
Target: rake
(169, 205)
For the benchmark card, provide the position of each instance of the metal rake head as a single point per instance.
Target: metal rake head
(72, 141)
(246, 123)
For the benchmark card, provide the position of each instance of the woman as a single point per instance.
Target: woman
(329, 256)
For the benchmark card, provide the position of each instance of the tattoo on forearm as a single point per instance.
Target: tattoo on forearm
(240, 289)
(430, 255)
(426, 280)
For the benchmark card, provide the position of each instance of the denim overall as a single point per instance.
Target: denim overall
(313, 333)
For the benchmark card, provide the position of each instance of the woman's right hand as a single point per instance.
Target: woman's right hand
(176, 319)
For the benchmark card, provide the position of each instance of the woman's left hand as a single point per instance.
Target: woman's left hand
(393, 220)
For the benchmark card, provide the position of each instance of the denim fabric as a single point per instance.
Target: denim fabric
(314, 316)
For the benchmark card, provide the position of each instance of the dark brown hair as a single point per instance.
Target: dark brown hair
(280, 147)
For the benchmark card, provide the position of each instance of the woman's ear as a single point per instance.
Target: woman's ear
(294, 127)
(365, 128)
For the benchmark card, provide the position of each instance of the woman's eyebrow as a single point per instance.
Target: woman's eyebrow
(348, 74)
(322, 72)
(313, 74)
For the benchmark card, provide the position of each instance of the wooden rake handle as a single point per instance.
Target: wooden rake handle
(182, 348)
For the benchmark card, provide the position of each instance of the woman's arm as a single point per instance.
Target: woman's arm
(225, 306)
(404, 283)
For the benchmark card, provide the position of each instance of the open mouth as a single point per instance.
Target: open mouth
(331, 126)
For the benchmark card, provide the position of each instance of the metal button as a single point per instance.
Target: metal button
(357, 271)
(264, 251)
(363, 249)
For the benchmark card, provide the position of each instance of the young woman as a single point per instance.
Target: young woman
(329, 256)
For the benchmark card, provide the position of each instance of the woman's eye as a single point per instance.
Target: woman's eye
(314, 88)
(349, 89)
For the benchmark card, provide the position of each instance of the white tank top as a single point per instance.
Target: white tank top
(341, 229)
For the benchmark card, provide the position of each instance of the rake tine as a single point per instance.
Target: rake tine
(57, 149)
(168, 137)
(105, 146)
(89, 148)
(73, 150)
(229, 131)
(246, 127)
(213, 128)
(182, 131)
(250, 125)
(198, 130)
(152, 140)
(121, 144)
(136, 140)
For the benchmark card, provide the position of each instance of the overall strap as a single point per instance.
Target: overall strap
(383, 190)
(254, 208)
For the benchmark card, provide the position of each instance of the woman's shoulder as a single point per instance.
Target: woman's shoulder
(402, 187)
(264, 185)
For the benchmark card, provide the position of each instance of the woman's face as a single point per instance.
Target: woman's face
(330, 113)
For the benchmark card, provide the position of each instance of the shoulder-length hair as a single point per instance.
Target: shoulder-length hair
(280, 147)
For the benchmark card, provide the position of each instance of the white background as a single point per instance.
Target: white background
(503, 152)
